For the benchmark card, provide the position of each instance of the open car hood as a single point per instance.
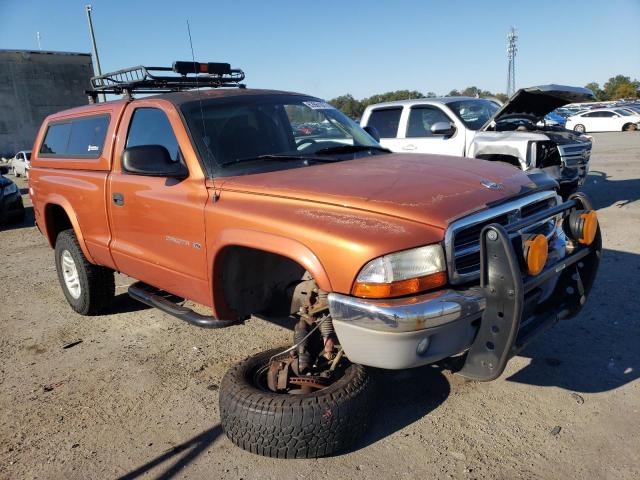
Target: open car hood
(540, 100)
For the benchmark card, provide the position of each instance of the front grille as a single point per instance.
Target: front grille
(575, 155)
(462, 241)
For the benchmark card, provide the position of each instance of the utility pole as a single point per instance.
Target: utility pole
(512, 49)
(93, 45)
(38, 37)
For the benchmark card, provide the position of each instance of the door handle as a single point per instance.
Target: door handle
(409, 147)
(118, 199)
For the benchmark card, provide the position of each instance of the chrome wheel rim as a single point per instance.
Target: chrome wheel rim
(70, 274)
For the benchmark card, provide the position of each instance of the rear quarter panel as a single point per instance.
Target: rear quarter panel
(77, 185)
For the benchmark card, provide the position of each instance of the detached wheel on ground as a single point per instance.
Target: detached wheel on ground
(300, 425)
(88, 288)
(579, 128)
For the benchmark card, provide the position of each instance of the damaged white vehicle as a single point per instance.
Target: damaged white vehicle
(515, 133)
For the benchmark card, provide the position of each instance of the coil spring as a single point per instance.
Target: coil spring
(326, 327)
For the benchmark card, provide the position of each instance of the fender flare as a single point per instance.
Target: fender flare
(60, 201)
(271, 243)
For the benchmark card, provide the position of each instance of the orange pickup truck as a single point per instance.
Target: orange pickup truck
(267, 202)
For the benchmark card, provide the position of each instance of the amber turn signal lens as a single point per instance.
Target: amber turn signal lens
(536, 250)
(399, 288)
(589, 227)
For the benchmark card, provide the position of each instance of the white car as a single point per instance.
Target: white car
(604, 120)
(21, 163)
(514, 133)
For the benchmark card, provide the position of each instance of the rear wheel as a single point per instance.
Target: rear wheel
(88, 288)
(294, 423)
(629, 127)
(579, 128)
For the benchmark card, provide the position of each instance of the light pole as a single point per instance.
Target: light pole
(93, 45)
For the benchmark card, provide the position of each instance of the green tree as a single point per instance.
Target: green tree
(625, 84)
(595, 88)
(625, 91)
(348, 105)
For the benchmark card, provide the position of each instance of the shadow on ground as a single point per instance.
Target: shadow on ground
(123, 303)
(599, 349)
(604, 192)
(405, 396)
(192, 449)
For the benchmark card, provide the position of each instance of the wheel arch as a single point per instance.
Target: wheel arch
(59, 216)
(267, 244)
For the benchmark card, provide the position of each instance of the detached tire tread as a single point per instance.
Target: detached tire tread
(97, 283)
(294, 426)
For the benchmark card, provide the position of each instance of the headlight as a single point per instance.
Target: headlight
(402, 273)
(12, 188)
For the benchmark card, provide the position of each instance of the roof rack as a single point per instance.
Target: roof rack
(143, 79)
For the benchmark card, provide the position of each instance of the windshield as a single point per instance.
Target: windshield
(256, 133)
(474, 113)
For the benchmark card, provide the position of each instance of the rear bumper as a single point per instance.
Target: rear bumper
(491, 322)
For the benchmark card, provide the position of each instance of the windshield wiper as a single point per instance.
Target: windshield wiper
(350, 148)
(279, 157)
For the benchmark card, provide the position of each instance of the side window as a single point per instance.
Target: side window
(19, 156)
(87, 136)
(80, 137)
(150, 126)
(386, 121)
(56, 139)
(421, 119)
(606, 114)
(587, 115)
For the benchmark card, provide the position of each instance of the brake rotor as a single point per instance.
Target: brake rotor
(315, 382)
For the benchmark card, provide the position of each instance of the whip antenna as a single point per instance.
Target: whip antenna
(205, 138)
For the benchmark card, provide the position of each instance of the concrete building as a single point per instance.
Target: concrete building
(34, 84)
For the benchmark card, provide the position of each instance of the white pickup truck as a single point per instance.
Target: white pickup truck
(479, 128)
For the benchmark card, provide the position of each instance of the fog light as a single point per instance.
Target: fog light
(582, 225)
(536, 250)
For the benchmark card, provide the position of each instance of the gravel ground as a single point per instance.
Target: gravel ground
(138, 397)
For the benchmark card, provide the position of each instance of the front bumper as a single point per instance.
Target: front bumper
(490, 322)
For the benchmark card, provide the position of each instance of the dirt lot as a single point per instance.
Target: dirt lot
(138, 397)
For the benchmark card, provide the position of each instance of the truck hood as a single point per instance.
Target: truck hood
(430, 189)
(540, 100)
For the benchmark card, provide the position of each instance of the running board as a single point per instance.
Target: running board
(158, 299)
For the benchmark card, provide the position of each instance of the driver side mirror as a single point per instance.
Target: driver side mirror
(446, 129)
(373, 131)
(4, 170)
(153, 161)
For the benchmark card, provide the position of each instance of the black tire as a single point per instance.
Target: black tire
(579, 128)
(629, 127)
(294, 426)
(97, 284)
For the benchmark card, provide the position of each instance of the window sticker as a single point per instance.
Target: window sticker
(318, 105)
(93, 148)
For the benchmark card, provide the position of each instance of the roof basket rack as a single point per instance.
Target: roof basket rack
(143, 79)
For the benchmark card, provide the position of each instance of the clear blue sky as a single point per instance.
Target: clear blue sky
(327, 48)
